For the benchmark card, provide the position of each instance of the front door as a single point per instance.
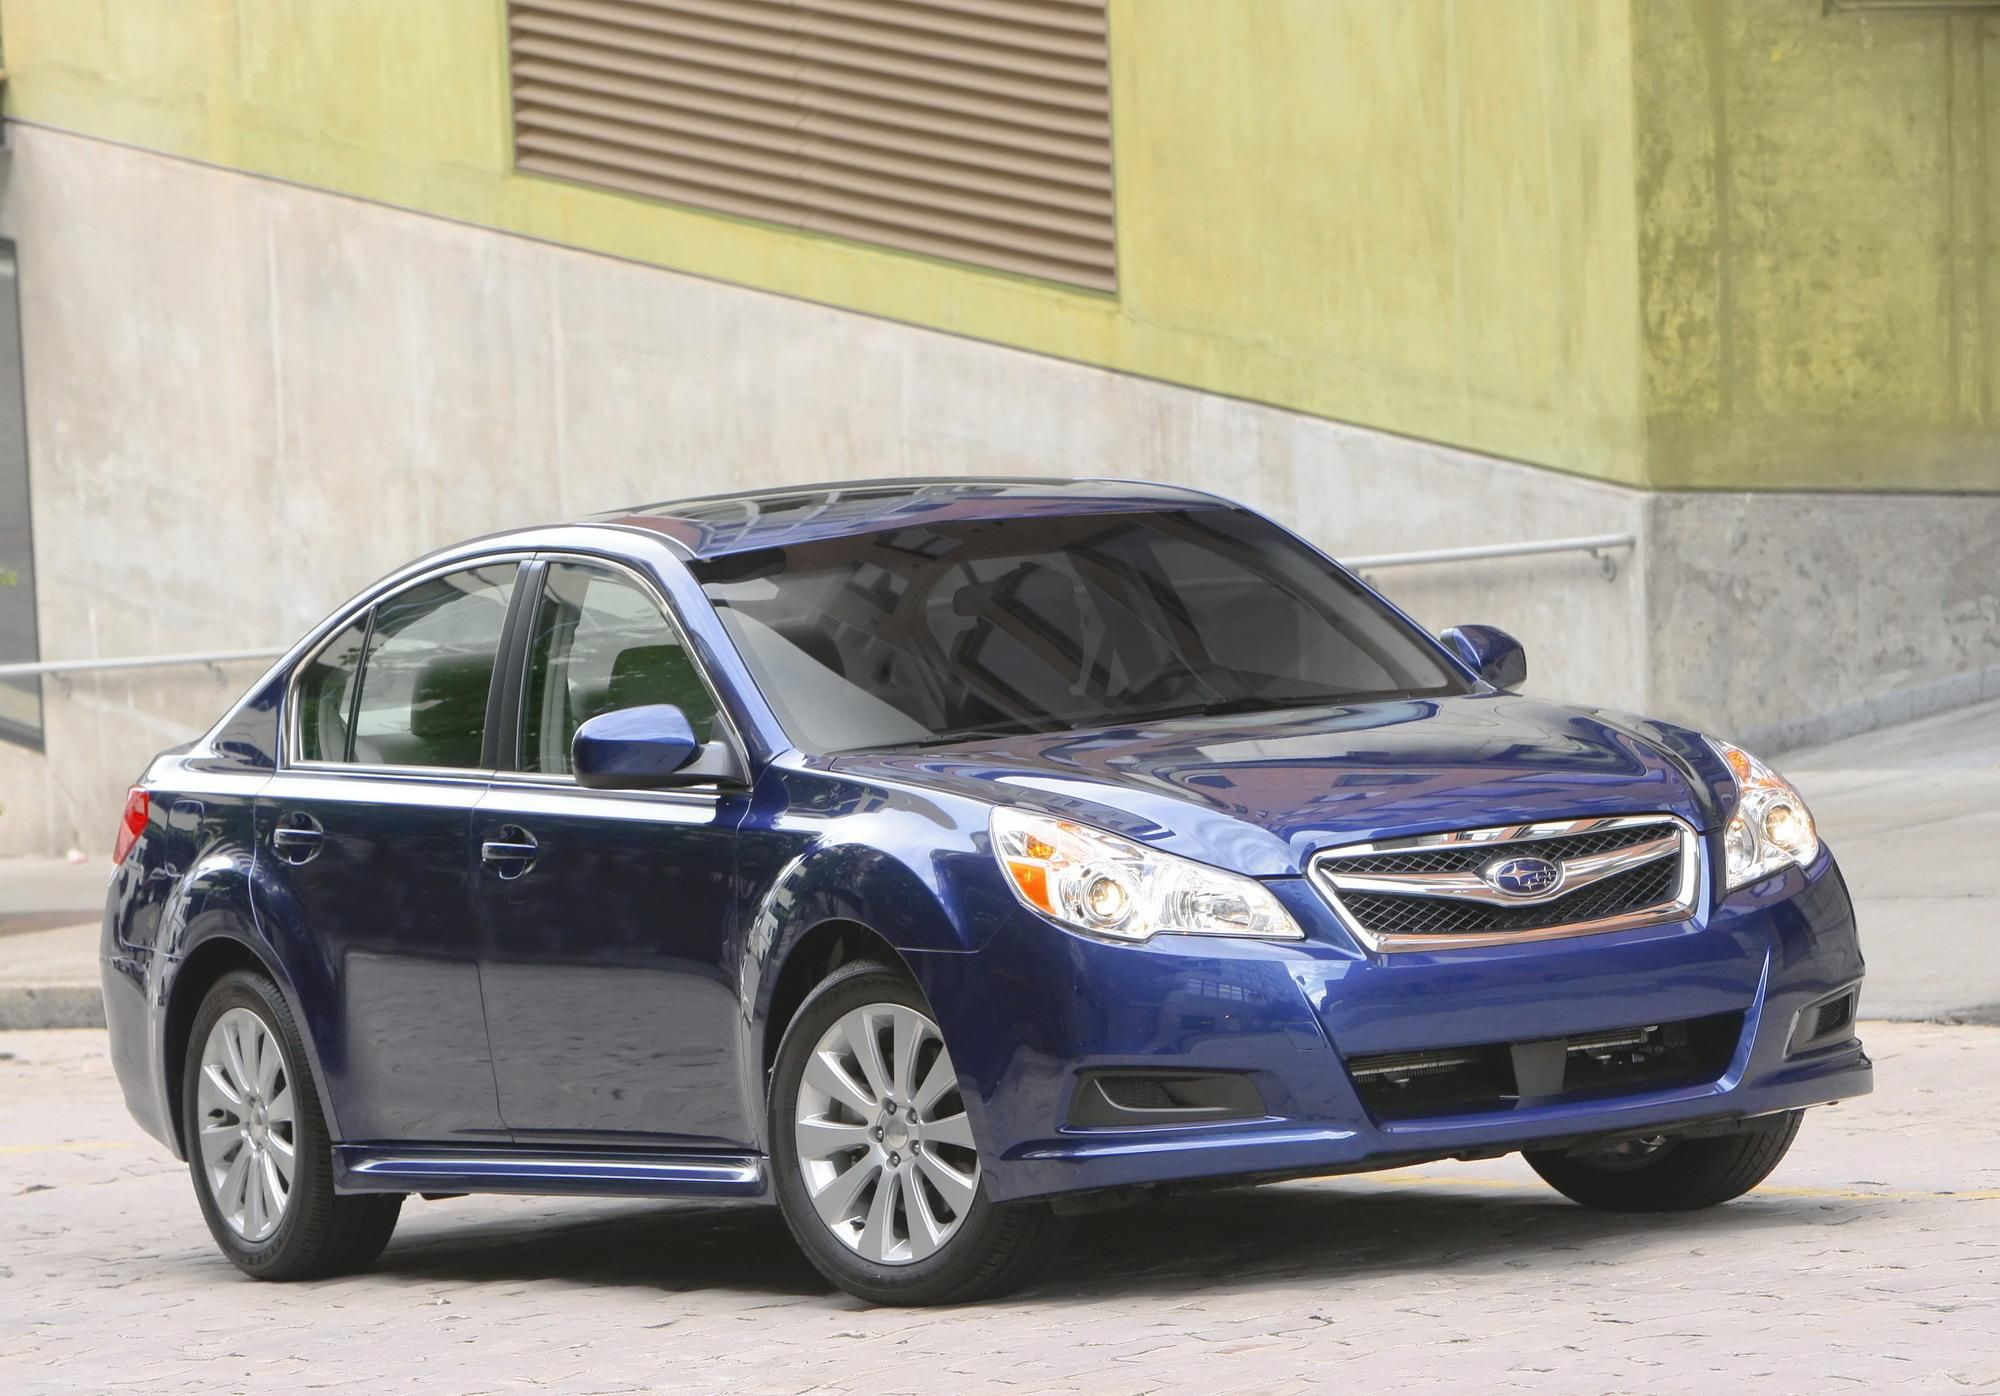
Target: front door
(364, 854)
(605, 916)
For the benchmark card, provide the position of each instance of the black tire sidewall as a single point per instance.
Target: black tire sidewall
(1688, 1175)
(957, 1265)
(312, 1182)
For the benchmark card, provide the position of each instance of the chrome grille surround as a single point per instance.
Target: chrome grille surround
(1606, 848)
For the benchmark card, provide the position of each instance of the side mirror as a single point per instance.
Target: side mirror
(1490, 652)
(648, 748)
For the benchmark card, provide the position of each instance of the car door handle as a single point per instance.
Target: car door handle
(511, 852)
(297, 838)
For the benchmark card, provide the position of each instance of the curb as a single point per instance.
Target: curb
(25, 1009)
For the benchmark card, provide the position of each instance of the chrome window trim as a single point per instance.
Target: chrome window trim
(1322, 873)
(289, 758)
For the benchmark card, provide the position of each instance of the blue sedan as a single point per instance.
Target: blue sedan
(938, 860)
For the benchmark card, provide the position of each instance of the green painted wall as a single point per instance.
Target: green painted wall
(1819, 213)
(1615, 237)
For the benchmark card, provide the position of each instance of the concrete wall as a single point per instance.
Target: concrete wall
(1412, 214)
(1819, 214)
(1684, 243)
(247, 399)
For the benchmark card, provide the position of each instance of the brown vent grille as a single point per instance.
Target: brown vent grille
(976, 130)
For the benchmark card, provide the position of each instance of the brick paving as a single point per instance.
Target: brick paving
(1870, 1262)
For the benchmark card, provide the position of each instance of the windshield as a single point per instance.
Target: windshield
(944, 632)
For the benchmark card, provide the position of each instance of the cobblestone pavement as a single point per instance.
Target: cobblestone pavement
(1870, 1262)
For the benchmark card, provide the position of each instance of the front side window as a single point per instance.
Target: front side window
(940, 632)
(407, 685)
(600, 643)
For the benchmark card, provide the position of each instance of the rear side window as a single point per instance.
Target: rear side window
(326, 696)
(407, 685)
(600, 643)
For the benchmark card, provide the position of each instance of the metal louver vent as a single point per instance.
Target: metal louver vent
(975, 130)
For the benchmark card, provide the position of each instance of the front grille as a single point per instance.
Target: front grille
(1430, 916)
(1503, 1075)
(1432, 891)
(1467, 857)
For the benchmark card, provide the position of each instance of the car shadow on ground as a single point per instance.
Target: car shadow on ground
(1281, 1235)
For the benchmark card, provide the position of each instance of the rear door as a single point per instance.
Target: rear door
(607, 916)
(365, 855)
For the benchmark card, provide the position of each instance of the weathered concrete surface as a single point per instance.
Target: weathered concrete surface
(1818, 196)
(1913, 814)
(51, 912)
(378, 383)
(1803, 617)
(1868, 1263)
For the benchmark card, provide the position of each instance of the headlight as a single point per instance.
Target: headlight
(1103, 885)
(1770, 825)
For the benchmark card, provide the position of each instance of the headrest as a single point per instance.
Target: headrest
(647, 674)
(448, 707)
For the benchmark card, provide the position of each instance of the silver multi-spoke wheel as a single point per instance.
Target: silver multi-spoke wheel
(248, 1130)
(883, 1141)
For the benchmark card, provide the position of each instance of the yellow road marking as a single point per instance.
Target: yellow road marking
(1512, 1184)
(75, 1147)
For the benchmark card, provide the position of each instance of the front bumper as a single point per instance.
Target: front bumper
(1037, 1008)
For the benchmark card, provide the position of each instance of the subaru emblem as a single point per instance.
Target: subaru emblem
(1523, 877)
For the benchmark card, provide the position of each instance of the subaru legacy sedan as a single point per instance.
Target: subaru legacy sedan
(939, 860)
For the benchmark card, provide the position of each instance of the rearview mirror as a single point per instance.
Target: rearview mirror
(648, 748)
(1490, 652)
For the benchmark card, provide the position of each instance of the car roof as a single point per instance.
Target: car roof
(721, 524)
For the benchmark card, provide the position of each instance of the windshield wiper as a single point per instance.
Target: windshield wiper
(1224, 707)
(970, 734)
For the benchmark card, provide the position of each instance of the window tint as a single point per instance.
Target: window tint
(326, 696)
(937, 632)
(600, 644)
(429, 664)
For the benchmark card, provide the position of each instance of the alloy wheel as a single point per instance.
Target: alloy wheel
(883, 1140)
(248, 1127)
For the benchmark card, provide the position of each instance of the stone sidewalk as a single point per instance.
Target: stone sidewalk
(1869, 1263)
(1913, 814)
(50, 915)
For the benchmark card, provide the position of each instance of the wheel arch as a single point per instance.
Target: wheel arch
(222, 951)
(814, 955)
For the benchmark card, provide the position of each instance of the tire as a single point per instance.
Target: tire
(253, 1110)
(982, 1248)
(1674, 1175)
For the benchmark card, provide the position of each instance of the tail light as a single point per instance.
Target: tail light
(131, 824)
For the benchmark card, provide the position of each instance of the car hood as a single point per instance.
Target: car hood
(1262, 792)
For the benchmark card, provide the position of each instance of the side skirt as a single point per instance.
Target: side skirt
(574, 1173)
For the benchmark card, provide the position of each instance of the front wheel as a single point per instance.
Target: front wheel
(1662, 1174)
(875, 1165)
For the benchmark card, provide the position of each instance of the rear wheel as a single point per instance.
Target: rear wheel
(875, 1164)
(1662, 1174)
(257, 1143)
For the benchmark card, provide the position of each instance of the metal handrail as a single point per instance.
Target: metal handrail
(1598, 546)
(144, 661)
